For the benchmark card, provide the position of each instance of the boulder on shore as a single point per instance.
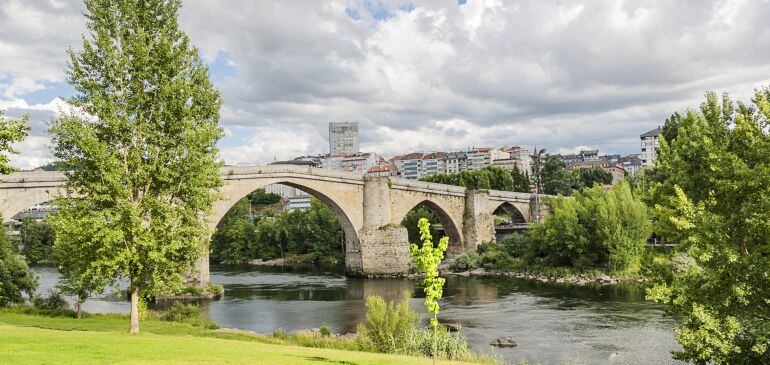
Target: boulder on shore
(503, 342)
(479, 271)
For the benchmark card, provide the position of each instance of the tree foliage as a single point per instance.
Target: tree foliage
(11, 131)
(712, 196)
(555, 177)
(588, 178)
(16, 278)
(37, 240)
(593, 229)
(142, 157)
(412, 219)
(521, 181)
(242, 235)
(490, 177)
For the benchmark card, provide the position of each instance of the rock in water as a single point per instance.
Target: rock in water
(503, 342)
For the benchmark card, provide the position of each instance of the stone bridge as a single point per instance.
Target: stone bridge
(370, 209)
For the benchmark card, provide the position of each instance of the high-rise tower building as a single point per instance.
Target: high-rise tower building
(650, 146)
(343, 138)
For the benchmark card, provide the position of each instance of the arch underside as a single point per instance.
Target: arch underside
(235, 190)
(514, 214)
(451, 229)
(17, 202)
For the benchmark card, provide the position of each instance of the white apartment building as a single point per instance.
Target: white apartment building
(650, 146)
(482, 157)
(455, 162)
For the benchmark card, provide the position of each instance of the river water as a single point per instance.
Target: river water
(552, 323)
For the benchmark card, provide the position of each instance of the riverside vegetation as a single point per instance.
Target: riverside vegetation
(595, 232)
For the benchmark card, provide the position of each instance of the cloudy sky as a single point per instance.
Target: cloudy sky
(422, 75)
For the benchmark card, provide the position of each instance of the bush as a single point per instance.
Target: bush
(466, 261)
(180, 312)
(54, 301)
(325, 332)
(448, 346)
(387, 327)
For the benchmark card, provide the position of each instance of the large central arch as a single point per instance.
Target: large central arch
(344, 199)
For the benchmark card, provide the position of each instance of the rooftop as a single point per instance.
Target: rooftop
(653, 133)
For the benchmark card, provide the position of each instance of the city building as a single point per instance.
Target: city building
(300, 202)
(343, 138)
(517, 156)
(359, 163)
(432, 164)
(582, 156)
(650, 146)
(631, 163)
(455, 162)
(409, 165)
(384, 170)
(481, 157)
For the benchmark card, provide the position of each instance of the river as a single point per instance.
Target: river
(552, 323)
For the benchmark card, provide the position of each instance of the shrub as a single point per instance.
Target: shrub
(387, 327)
(466, 261)
(325, 332)
(448, 346)
(54, 301)
(180, 312)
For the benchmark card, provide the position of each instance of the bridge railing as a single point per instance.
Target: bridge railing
(512, 226)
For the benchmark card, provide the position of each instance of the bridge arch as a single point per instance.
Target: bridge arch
(344, 200)
(452, 229)
(513, 212)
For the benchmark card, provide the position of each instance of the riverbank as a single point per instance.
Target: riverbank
(103, 339)
(559, 278)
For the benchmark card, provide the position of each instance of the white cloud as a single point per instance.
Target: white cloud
(268, 144)
(431, 74)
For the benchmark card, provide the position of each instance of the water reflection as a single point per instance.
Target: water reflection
(553, 323)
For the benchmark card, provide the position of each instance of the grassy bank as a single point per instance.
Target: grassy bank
(35, 339)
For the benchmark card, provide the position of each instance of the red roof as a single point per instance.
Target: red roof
(409, 156)
(434, 156)
(383, 168)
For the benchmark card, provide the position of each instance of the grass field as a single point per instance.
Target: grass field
(32, 339)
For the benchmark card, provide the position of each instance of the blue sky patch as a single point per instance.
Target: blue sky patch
(50, 91)
(222, 67)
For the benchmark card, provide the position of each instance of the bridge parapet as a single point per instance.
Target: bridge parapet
(239, 172)
(426, 187)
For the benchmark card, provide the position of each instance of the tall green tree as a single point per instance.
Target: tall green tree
(714, 200)
(555, 177)
(11, 131)
(16, 278)
(521, 181)
(141, 159)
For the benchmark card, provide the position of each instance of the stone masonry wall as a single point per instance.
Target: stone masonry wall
(385, 250)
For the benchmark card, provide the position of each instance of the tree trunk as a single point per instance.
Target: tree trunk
(78, 308)
(133, 327)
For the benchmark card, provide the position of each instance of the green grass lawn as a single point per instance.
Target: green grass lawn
(32, 339)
